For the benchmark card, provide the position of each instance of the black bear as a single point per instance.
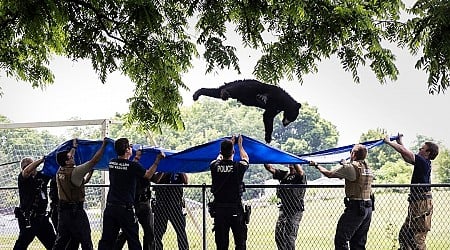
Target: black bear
(271, 98)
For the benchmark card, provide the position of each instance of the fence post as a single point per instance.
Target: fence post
(204, 214)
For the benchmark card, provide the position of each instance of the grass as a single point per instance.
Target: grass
(317, 227)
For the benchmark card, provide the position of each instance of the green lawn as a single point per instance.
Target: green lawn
(317, 227)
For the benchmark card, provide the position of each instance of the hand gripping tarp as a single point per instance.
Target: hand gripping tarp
(197, 159)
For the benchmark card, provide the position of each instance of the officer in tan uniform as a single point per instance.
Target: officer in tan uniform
(73, 222)
(354, 223)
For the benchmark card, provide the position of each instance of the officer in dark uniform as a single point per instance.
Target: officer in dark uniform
(354, 223)
(53, 195)
(227, 187)
(169, 204)
(54, 200)
(32, 211)
(73, 222)
(291, 205)
(119, 212)
(144, 214)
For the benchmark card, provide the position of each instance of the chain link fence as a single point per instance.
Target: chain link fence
(323, 207)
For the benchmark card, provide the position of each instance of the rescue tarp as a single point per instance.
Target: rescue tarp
(197, 159)
(192, 160)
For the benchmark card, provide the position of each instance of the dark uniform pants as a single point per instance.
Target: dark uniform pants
(173, 212)
(40, 228)
(353, 226)
(116, 217)
(286, 228)
(227, 218)
(73, 243)
(73, 224)
(145, 217)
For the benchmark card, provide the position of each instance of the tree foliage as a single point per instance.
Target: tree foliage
(209, 119)
(308, 133)
(429, 31)
(18, 143)
(379, 156)
(441, 166)
(398, 172)
(154, 42)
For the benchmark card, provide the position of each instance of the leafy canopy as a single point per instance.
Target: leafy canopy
(153, 42)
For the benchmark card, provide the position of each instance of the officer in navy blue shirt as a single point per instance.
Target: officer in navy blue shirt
(32, 211)
(143, 212)
(414, 231)
(119, 212)
(227, 188)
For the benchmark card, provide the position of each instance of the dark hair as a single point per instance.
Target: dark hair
(226, 148)
(433, 148)
(121, 145)
(25, 162)
(360, 152)
(61, 158)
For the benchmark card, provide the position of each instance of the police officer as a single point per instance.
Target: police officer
(143, 212)
(119, 211)
(32, 211)
(354, 223)
(414, 230)
(169, 204)
(54, 200)
(291, 206)
(227, 187)
(73, 222)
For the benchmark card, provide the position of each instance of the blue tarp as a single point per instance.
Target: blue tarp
(197, 158)
(335, 155)
(191, 160)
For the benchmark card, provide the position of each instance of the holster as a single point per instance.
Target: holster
(247, 213)
(211, 209)
(361, 205)
(153, 204)
(23, 216)
(372, 198)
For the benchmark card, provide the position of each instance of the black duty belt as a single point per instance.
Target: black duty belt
(365, 203)
(70, 205)
(227, 205)
(122, 205)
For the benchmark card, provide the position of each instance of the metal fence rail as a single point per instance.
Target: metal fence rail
(323, 206)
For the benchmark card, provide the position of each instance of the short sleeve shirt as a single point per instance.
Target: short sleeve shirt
(347, 171)
(123, 175)
(170, 194)
(227, 177)
(290, 197)
(421, 174)
(33, 192)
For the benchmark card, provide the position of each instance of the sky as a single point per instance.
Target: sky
(403, 106)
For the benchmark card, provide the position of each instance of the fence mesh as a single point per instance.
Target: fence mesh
(323, 207)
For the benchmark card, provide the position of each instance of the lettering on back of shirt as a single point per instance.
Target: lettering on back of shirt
(119, 165)
(367, 171)
(225, 168)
